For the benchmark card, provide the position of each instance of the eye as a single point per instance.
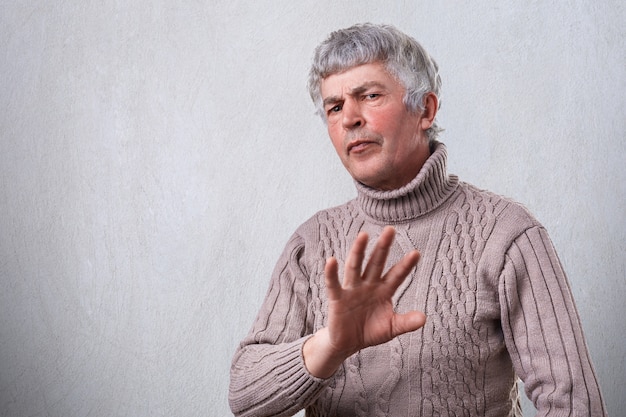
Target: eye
(334, 109)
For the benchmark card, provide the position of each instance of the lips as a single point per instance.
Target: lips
(359, 140)
(358, 145)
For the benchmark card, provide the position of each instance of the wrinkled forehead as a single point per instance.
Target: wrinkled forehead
(355, 81)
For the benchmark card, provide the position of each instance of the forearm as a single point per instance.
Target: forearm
(271, 380)
(268, 376)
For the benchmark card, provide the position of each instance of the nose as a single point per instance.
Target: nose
(351, 115)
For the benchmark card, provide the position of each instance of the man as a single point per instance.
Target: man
(342, 334)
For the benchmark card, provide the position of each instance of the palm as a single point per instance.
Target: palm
(360, 310)
(359, 318)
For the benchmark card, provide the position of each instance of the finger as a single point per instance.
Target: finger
(378, 259)
(354, 261)
(331, 277)
(331, 273)
(401, 270)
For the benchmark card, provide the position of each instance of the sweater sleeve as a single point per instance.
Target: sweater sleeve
(268, 376)
(542, 330)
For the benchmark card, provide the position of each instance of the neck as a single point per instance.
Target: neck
(427, 191)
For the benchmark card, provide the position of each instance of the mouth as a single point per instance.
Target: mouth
(360, 140)
(359, 145)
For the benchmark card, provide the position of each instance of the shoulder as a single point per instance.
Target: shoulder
(495, 220)
(328, 221)
(328, 232)
(504, 210)
(496, 224)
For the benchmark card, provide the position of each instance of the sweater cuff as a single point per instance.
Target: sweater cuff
(274, 381)
(294, 377)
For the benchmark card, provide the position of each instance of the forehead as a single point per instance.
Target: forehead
(357, 78)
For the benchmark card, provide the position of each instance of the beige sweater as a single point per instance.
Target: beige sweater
(496, 298)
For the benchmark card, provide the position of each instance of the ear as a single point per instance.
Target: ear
(431, 105)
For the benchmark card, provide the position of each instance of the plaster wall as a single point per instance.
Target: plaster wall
(155, 157)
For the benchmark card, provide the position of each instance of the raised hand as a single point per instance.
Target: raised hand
(360, 311)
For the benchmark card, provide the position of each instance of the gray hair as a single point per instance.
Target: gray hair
(402, 56)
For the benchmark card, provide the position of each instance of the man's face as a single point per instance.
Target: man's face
(379, 141)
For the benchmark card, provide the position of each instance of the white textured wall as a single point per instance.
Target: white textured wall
(155, 156)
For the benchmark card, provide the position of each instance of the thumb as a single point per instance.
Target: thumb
(408, 322)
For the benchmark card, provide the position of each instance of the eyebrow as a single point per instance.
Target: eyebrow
(354, 92)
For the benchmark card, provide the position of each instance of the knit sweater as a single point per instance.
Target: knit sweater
(497, 302)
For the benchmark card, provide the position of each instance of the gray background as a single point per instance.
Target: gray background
(156, 156)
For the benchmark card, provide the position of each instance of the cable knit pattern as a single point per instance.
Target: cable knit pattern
(497, 301)
(461, 346)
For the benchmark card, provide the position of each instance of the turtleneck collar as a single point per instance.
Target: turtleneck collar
(427, 191)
